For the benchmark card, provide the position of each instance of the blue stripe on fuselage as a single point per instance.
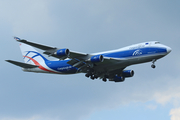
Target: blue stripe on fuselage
(64, 67)
(136, 52)
(61, 66)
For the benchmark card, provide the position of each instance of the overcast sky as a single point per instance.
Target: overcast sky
(90, 26)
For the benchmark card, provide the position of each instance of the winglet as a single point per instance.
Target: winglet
(16, 38)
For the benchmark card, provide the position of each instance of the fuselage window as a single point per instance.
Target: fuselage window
(157, 42)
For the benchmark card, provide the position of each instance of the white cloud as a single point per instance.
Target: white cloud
(162, 98)
(175, 114)
(170, 93)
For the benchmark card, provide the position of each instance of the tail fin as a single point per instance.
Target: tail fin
(30, 55)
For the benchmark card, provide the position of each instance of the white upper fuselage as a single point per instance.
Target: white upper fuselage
(135, 54)
(155, 44)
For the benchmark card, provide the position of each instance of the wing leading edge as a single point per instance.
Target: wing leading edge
(51, 50)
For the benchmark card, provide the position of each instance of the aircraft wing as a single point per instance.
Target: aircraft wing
(51, 50)
(84, 64)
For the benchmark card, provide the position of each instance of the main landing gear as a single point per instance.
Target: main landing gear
(153, 65)
(94, 76)
(105, 78)
(91, 76)
(90, 73)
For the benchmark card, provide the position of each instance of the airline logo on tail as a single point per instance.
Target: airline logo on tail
(36, 54)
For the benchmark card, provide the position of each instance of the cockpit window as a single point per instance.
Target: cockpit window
(157, 42)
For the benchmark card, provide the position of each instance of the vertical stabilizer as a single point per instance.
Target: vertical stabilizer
(30, 55)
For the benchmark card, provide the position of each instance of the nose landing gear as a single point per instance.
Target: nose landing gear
(153, 65)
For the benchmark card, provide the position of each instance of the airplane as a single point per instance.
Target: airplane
(108, 65)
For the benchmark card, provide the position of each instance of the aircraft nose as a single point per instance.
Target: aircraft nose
(168, 49)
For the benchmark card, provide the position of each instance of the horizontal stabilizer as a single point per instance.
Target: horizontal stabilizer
(23, 65)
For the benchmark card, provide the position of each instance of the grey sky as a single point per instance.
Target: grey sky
(89, 26)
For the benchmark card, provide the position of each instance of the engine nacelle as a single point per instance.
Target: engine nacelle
(118, 79)
(62, 52)
(97, 58)
(128, 73)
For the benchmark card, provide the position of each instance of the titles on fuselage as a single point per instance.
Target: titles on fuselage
(64, 68)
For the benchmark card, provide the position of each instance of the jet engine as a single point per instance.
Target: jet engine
(118, 79)
(62, 52)
(97, 58)
(127, 73)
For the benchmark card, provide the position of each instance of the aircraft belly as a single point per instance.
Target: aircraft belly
(127, 62)
(144, 59)
(112, 66)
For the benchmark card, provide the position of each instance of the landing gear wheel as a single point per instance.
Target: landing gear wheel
(95, 76)
(153, 61)
(87, 75)
(104, 79)
(153, 66)
(92, 77)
